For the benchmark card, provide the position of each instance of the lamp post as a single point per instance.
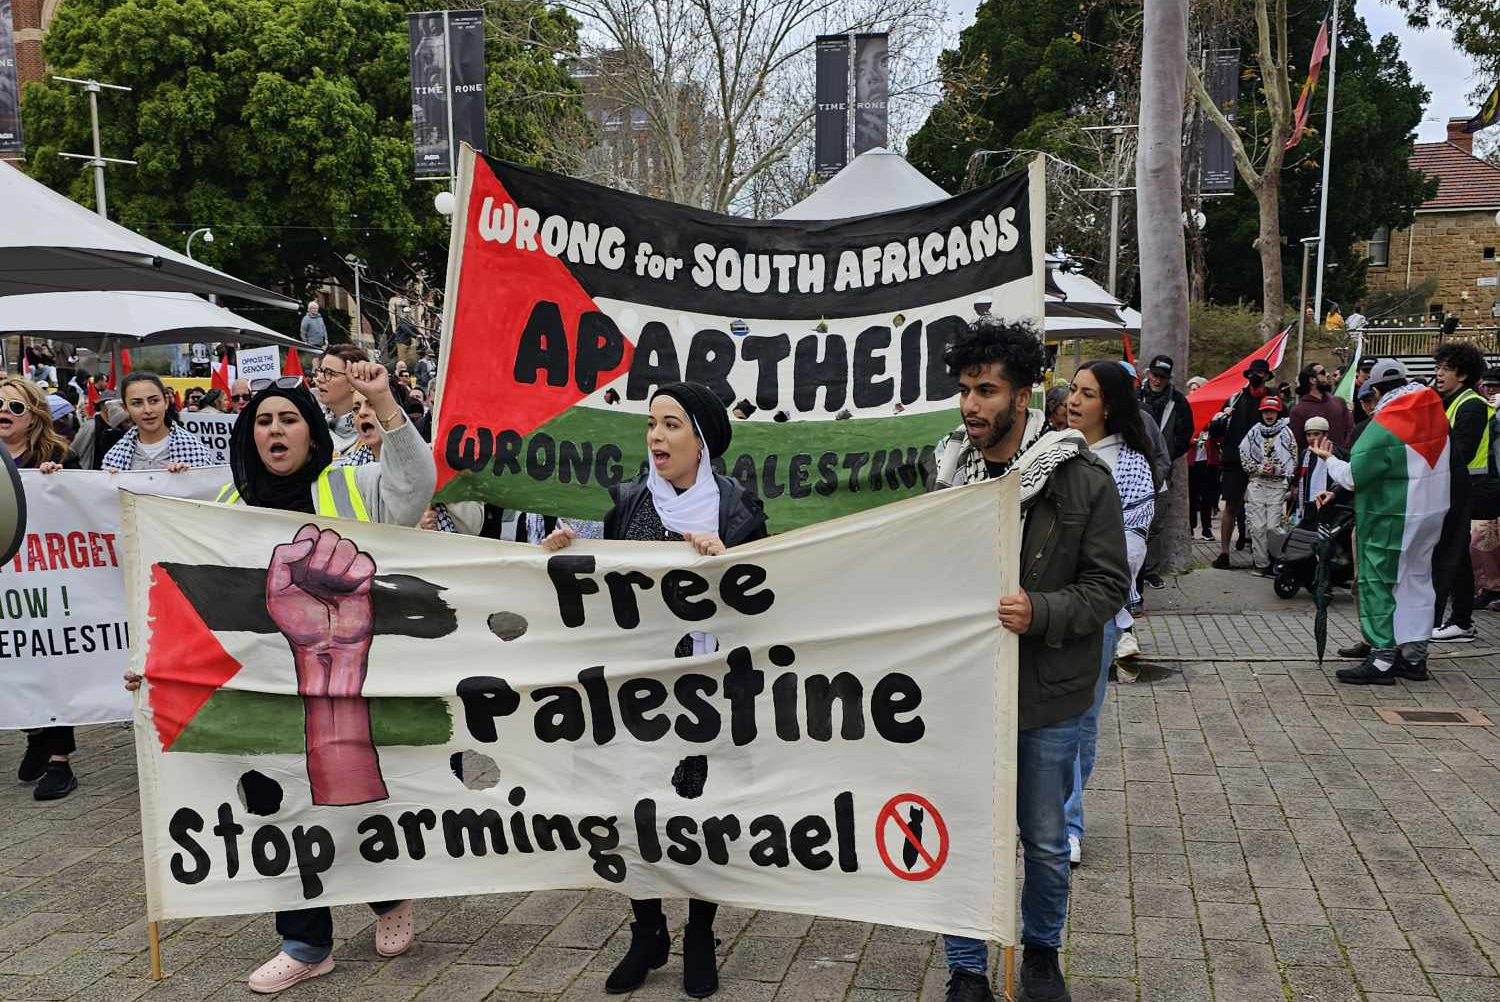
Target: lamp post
(208, 238)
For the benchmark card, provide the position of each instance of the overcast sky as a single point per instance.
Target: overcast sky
(1447, 74)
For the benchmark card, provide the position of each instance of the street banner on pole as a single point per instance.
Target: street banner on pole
(831, 123)
(872, 90)
(568, 304)
(447, 87)
(64, 629)
(11, 143)
(844, 747)
(1223, 85)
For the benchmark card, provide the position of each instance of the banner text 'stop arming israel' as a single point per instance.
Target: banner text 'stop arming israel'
(569, 304)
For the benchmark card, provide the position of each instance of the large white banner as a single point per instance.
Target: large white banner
(63, 629)
(215, 429)
(848, 750)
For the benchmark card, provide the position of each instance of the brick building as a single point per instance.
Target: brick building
(30, 19)
(1454, 237)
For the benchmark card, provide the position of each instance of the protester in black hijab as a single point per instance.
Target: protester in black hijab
(679, 499)
(280, 448)
(258, 485)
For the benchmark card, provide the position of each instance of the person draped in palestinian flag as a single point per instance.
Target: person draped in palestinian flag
(1399, 473)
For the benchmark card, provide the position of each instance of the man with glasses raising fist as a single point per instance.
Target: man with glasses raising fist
(336, 394)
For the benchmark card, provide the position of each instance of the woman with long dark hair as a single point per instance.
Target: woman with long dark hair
(281, 455)
(679, 497)
(1102, 404)
(155, 440)
(26, 432)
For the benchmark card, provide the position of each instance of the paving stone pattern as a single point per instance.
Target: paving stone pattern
(1255, 833)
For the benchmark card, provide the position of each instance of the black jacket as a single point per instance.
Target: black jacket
(742, 518)
(1244, 416)
(1179, 428)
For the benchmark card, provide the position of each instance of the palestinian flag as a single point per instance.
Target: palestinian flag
(1345, 390)
(1401, 481)
(209, 622)
(569, 304)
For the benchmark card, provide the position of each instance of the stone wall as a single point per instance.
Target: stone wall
(1448, 246)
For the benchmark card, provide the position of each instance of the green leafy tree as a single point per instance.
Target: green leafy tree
(1018, 71)
(1379, 108)
(285, 125)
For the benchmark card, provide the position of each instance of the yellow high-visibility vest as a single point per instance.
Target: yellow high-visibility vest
(1480, 464)
(336, 495)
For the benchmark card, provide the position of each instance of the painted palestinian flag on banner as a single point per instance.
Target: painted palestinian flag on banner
(568, 304)
(231, 673)
(1401, 482)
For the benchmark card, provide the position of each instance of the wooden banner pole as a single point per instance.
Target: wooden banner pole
(153, 938)
(1010, 972)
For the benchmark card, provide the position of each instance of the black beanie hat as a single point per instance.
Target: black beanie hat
(706, 409)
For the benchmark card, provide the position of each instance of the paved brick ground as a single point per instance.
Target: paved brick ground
(1255, 833)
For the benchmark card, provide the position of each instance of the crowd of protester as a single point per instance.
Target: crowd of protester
(1098, 458)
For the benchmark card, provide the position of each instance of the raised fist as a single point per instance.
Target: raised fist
(318, 595)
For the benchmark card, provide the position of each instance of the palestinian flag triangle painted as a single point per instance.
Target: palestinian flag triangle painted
(1401, 480)
(195, 613)
(526, 295)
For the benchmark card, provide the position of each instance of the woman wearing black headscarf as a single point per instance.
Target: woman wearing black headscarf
(679, 497)
(281, 456)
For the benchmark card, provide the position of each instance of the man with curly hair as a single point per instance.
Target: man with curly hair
(1459, 367)
(1074, 576)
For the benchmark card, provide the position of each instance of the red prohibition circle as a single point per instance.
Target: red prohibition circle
(888, 813)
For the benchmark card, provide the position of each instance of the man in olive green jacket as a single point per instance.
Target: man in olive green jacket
(1074, 577)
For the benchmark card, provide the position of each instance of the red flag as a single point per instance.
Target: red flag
(1314, 68)
(93, 396)
(220, 380)
(293, 365)
(124, 363)
(1129, 353)
(1210, 398)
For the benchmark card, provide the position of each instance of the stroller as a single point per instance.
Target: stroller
(1298, 565)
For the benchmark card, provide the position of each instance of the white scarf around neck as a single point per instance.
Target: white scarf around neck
(694, 510)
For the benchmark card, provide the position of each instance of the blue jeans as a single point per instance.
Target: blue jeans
(1088, 732)
(1045, 758)
(307, 933)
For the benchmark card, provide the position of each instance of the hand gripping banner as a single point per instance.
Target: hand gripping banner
(568, 304)
(847, 750)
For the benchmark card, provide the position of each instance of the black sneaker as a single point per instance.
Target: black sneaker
(966, 986)
(1041, 978)
(1268, 571)
(56, 783)
(1153, 581)
(1358, 651)
(1368, 674)
(1221, 562)
(33, 764)
(1411, 672)
(1208, 534)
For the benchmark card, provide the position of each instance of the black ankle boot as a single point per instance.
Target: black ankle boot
(700, 968)
(649, 946)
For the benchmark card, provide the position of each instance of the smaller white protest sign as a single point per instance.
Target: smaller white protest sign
(214, 428)
(63, 629)
(259, 363)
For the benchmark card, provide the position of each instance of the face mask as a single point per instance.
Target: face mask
(1257, 380)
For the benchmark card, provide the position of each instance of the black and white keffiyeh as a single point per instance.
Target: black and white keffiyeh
(1041, 452)
(182, 447)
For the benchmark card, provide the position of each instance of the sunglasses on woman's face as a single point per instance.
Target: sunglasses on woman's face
(281, 383)
(16, 407)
